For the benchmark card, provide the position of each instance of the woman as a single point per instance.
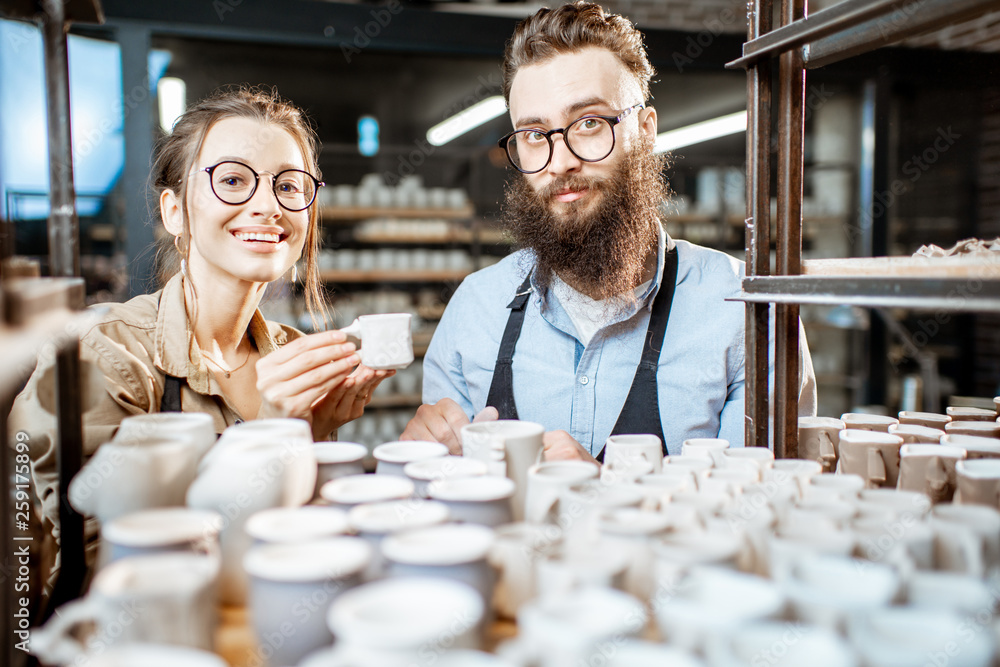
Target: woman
(236, 182)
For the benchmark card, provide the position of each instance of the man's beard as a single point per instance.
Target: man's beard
(601, 252)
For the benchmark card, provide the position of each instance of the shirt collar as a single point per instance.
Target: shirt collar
(177, 352)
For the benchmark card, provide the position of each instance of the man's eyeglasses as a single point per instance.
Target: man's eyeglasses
(590, 138)
(236, 183)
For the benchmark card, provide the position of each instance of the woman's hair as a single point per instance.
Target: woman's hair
(570, 28)
(177, 151)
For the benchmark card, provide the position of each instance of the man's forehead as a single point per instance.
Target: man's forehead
(559, 85)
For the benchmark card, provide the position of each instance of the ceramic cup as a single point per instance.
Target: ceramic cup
(346, 492)
(133, 475)
(982, 429)
(971, 414)
(929, 469)
(484, 500)
(375, 521)
(581, 505)
(871, 454)
(395, 618)
(194, 427)
(515, 554)
(161, 530)
(386, 342)
(392, 457)
(566, 630)
(521, 444)
(831, 486)
(983, 521)
(827, 590)
(284, 577)
(709, 602)
(976, 447)
(819, 440)
(286, 525)
(454, 552)
(631, 531)
(752, 458)
(781, 644)
(545, 483)
(914, 434)
(438, 469)
(337, 459)
(709, 448)
(978, 482)
(623, 448)
(163, 598)
(602, 565)
(925, 419)
(155, 655)
(915, 636)
(861, 421)
(963, 593)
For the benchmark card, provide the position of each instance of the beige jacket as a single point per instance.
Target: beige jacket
(133, 347)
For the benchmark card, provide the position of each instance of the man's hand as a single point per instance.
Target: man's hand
(443, 422)
(560, 446)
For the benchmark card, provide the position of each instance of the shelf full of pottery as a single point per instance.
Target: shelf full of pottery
(712, 557)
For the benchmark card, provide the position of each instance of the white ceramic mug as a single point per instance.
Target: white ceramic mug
(926, 419)
(546, 482)
(392, 457)
(450, 551)
(871, 454)
(863, 421)
(978, 482)
(976, 447)
(337, 459)
(484, 500)
(375, 521)
(624, 448)
(827, 590)
(819, 440)
(164, 598)
(982, 429)
(929, 469)
(161, 530)
(288, 525)
(438, 469)
(915, 636)
(195, 427)
(346, 492)
(521, 444)
(709, 448)
(781, 644)
(915, 434)
(394, 618)
(293, 585)
(386, 341)
(515, 555)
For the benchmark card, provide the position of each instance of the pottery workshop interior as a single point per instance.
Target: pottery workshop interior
(500, 333)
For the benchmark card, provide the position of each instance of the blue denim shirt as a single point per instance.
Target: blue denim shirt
(562, 384)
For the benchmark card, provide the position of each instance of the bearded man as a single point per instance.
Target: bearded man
(601, 324)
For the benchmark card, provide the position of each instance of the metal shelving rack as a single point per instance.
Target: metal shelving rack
(41, 316)
(844, 30)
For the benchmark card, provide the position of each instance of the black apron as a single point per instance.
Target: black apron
(171, 399)
(641, 412)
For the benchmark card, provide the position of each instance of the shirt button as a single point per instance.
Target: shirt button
(584, 379)
(237, 421)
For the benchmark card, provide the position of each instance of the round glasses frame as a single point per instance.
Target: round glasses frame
(504, 142)
(317, 184)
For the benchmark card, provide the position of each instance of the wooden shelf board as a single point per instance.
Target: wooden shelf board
(391, 276)
(981, 268)
(363, 213)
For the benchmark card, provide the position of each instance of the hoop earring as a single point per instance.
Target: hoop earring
(177, 246)
(295, 273)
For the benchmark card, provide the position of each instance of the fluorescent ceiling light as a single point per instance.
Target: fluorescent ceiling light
(171, 93)
(699, 132)
(467, 119)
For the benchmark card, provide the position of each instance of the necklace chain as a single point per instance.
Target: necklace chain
(226, 371)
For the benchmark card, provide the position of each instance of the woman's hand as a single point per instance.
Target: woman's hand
(296, 378)
(346, 402)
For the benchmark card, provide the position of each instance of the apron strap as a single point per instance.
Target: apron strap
(171, 399)
(641, 412)
(501, 395)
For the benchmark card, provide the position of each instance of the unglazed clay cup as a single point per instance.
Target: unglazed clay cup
(871, 454)
(929, 469)
(819, 440)
(862, 421)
